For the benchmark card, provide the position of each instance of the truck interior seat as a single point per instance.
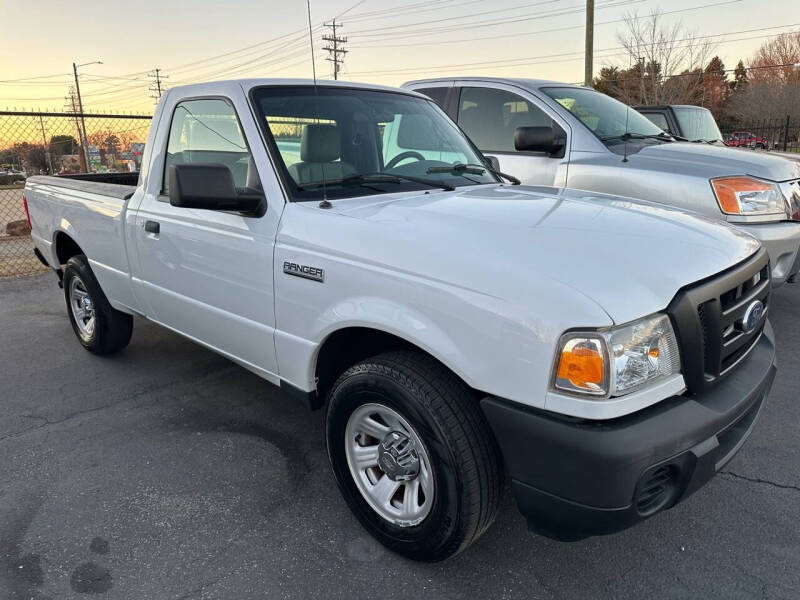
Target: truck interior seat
(320, 151)
(483, 126)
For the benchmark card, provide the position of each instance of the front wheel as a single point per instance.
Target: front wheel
(413, 455)
(100, 328)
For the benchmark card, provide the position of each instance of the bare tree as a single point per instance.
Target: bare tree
(656, 51)
(776, 62)
(773, 82)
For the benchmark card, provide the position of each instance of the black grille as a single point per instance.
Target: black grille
(708, 319)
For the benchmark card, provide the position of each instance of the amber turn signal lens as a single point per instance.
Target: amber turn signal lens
(726, 190)
(582, 366)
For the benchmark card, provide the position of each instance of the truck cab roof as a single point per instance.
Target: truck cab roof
(254, 82)
(520, 81)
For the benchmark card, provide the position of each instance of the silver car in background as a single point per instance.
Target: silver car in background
(556, 134)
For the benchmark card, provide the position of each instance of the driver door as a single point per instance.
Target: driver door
(207, 274)
(489, 115)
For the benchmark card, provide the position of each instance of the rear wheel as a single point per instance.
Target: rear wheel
(413, 455)
(100, 328)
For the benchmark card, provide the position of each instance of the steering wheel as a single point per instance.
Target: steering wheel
(402, 156)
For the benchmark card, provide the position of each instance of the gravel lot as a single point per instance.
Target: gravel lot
(168, 472)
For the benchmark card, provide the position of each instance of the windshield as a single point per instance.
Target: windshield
(697, 124)
(604, 116)
(344, 142)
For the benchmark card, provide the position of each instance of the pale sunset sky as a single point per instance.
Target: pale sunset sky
(388, 42)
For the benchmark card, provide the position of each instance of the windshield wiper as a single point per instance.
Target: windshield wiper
(367, 178)
(664, 137)
(472, 169)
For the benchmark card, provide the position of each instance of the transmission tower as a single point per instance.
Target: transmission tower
(334, 47)
(156, 88)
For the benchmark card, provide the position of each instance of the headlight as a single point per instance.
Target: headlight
(748, 196)
(619, 360)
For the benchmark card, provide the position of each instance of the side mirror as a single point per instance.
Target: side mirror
(210, 186)
(539, 139)
(493, 162)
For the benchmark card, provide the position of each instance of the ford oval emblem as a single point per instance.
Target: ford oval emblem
(752, 316)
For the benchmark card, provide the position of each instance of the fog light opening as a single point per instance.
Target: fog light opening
(656, 489)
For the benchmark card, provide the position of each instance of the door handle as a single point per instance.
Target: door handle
(152, 227)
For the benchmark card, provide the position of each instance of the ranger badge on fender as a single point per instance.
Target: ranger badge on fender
(304, 271)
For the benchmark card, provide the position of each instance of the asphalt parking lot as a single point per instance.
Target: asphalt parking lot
(167, 472)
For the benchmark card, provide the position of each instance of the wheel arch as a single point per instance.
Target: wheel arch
(65, 246)
(348, 345)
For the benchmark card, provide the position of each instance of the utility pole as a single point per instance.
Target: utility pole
(334, 47)
(72, 106)
(157, 78)
(82, 129)
(85, 140)
(48, 158)
(588, 73)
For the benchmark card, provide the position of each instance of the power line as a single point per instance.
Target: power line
(540, 31)
(335, 47)
(408, 8)
(298, 42)
(122, 93)
(356, 5)
(35, 77)
(482, 13)
(518, 62)
(279, 41)
(368, 33)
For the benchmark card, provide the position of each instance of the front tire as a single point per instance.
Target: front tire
(99, 327)
(413, 455)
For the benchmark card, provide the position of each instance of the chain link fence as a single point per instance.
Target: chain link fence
(781, 134)
(48, 143)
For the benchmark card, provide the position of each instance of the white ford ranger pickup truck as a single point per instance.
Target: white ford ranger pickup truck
(610, 356)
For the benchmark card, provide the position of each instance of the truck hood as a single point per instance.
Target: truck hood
(716, 161)
(629, 257)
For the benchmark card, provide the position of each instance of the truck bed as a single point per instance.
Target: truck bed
(90, 209)
(118, 178)
(115, 185)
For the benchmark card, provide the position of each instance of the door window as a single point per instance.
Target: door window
(437, 94)
(490, 117)
(207, 131)
(659, 120)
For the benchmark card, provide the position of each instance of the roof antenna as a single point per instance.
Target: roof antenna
(627, 135)
(324, 203)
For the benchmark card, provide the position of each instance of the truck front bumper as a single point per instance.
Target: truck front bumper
(575, 478)
(782, 241)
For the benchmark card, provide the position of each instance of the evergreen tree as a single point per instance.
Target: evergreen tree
(740, 77)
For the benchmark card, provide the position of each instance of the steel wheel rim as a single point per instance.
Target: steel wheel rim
(82, 307)
(404, 503)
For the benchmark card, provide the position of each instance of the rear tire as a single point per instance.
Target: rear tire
(99, 327)
(452, 440)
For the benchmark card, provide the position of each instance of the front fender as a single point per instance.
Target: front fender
(493, 345)
(400, 320)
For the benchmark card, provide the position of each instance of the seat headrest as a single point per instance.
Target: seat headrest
(417, 131)
(320, 143)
